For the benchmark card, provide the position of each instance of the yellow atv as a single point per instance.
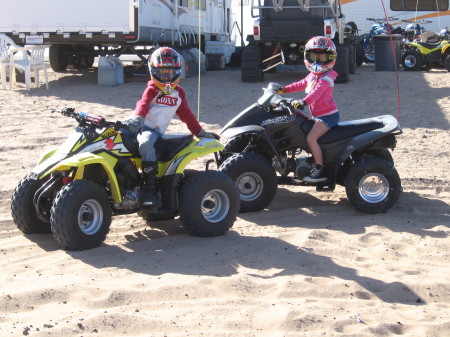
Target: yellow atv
(426, 55)
(75, 189)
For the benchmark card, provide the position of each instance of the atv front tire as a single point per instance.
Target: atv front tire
(23, 210)
(373, 185)
(209, 204)
(255, 179)
(412, 60)
(81, 215)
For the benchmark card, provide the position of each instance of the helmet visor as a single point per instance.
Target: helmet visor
(321, 58)
(166, 75)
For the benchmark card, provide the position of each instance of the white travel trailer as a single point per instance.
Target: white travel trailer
(436, 11)
(78, 31)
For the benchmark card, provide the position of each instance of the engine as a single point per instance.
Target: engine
(300, 166)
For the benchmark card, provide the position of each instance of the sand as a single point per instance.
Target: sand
(309, 265)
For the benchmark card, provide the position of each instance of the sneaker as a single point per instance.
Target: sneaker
(316, 175)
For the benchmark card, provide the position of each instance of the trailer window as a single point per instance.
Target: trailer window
(419, 5)
(183, 3)
(202, 3)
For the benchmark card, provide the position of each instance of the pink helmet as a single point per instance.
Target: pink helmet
(165, 69)
(320, 54)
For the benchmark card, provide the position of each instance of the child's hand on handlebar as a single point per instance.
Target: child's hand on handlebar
(298, 104)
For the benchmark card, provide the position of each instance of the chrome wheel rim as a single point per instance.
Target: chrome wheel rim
(90, 217)
(373, 188)
(215, 205)
(410, 61)
(250, 186)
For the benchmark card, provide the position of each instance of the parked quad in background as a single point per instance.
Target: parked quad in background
(427, 55)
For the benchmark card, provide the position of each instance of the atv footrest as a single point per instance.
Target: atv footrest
(291, 181)
(324, 187)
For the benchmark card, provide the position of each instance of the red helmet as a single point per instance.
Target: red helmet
(165, 69)
(320, 54)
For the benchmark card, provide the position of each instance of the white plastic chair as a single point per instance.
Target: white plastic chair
(6, 45)
(31, 64)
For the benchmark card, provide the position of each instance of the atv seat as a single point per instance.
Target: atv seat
(166, 147)
(352, 128)
(429, 45)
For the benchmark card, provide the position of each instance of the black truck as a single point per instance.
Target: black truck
(282, 28)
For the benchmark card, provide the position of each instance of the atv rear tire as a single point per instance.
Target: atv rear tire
(23, 210)
(255, 179)
(373, 185)
(412, 60)
(81, 215)
(447, 62)
(209, 204)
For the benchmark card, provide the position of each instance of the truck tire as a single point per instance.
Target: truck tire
(342, 62)
(351, 59)
(359, 55)
(58, 58)
(251, 70)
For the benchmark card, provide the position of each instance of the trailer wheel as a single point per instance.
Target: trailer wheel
(342, 62)
(58, 58)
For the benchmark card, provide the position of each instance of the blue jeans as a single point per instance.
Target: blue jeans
(147, 140)
(329, 120)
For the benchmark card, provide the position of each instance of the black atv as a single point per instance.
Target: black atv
(269, 137)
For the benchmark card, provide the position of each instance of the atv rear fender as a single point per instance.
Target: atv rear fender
(196, 149)
(373, 139)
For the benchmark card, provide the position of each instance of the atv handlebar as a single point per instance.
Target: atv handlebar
(96, 121)
(272, 99)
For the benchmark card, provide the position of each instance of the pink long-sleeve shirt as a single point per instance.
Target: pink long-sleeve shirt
(319, 89)
(158, 109)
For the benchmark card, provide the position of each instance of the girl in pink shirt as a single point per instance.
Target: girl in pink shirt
(320, 57)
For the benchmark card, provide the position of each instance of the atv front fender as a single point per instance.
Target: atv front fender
(47, 154)
(82, 160)
(252, 129)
